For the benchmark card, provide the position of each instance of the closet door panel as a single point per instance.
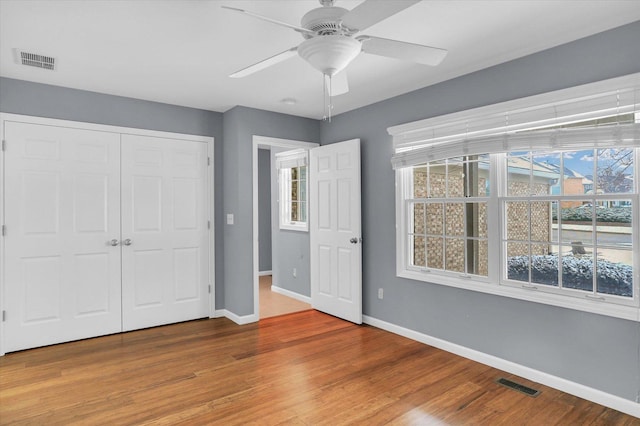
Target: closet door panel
(62, 208)
(164, 205)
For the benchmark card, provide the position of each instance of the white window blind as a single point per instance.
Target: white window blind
(289, 159)
(510, 126)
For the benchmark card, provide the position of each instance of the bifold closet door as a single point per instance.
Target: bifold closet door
(62, 209)
(164, 231)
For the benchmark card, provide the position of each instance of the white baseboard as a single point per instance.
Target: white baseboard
(240, 320)
(291, 294)
(573, 388)
(263, 273)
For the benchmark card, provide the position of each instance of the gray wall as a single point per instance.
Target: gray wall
(264, 210)
(42, 100)
(240, 125)
(290, 248)
(594, 350)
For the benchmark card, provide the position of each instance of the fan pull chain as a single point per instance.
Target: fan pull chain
(329, 90)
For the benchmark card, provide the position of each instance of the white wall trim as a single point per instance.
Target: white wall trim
(101, 127)
(564, 385)
(291, 294)
(265, 273)
(264, 142)
(238, 319)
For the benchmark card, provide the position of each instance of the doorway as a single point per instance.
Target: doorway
(274, 266)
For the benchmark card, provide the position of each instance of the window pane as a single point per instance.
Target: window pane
(302, 193)
(417, 245)
(435, 253)
(294, 190)
(518, 174)
(545, 170)
(555, 222)
(577, 175)
(435, 218)
(454, 254)
(577, 269)
(614, 172)
(518, 220)
(294, 173)
(478, 257)
(615, 271)
(540, 213)
(478, 176)
(518, 261)
(294, 211)
(437, 180)
(577, 226)
(303, 172)
(303, 211)
(544, 266)
(476, 220)
(613, 222)
(455, 179)
(418, 218)
(420, 182)
(454, 219)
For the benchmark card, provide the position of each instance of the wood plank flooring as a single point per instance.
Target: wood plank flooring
(306, 368)
(273, 304)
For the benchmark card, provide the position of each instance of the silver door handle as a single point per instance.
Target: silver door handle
(127, 242)
(114, 242)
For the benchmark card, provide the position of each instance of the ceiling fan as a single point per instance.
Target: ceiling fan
(331, 40)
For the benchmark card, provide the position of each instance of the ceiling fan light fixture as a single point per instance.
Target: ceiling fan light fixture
(329, 54)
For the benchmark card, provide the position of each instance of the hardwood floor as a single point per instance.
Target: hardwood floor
(306, 368)
(273, 304)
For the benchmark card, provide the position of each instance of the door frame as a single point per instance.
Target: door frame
(8, 117)
(264, 142)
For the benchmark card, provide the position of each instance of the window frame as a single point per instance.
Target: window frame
(286, 162)
(496, 282)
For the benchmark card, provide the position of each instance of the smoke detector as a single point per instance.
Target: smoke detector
(37, 60)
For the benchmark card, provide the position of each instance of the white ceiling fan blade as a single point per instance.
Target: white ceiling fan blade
(338, 84)
(417, 53)
(371, 12)
(282, 56)
(273, 21)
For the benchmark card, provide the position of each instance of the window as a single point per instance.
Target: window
(292, 182)
(543, 209)
(448, 214)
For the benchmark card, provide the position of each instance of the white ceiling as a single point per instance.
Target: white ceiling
(182, 51)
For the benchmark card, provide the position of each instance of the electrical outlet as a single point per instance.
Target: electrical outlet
(230, 219)
(380, 293)
(295, 273)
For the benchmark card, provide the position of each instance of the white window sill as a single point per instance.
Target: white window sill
(631, 313)
(301, 227)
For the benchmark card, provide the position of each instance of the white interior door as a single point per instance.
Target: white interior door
(62, 209)
(335, 230)
(165, 257)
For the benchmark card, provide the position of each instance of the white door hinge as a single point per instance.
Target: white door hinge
(4, 316)
(209, 289)
(208, 224)
(4, 230)
(4, 144)
(208, 161)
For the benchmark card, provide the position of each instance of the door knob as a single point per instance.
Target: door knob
(114, 242)
(127, 242)
(355, 240)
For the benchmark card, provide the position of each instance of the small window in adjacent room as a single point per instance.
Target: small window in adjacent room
(292, 183)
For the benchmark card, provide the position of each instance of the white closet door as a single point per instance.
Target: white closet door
(62, 208)
(164, 205)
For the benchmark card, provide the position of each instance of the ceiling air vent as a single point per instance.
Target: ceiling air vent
(35, 60)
